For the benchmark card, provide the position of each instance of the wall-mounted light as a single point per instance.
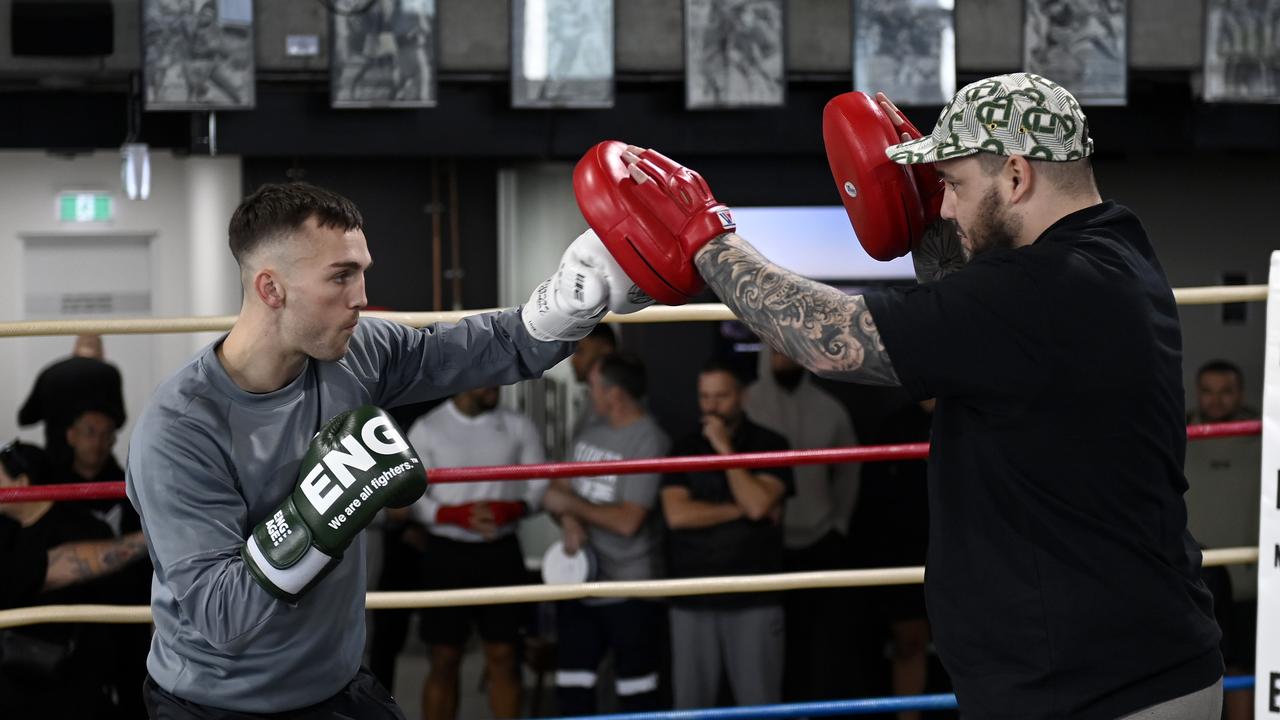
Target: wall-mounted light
(135, 170)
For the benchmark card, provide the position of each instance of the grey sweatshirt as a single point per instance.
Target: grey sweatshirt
(208, 461)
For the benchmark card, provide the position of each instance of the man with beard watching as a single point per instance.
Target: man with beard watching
(726, 522)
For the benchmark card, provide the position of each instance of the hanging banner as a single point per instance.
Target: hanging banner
(734, 54)
(198, 55)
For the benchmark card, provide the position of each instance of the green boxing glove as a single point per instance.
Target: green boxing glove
(358, 463)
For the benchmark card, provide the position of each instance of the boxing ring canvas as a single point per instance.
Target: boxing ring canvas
(907, 50)
(383, 54)
(561, 54)
(1080, 44)
(197, 54)
(734, 54)
(1242, 51)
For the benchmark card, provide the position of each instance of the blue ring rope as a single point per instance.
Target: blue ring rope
(864, 706)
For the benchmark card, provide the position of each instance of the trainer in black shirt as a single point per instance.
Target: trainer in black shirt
(1061, 579)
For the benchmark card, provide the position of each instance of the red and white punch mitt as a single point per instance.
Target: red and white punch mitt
(889, 204)
(654, 228)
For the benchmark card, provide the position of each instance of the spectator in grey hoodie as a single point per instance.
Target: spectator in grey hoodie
(815, 520)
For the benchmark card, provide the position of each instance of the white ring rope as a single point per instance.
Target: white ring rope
(702, 312)
(542, 593)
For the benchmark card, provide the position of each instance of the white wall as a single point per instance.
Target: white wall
(1204, 217)
(191, 271)
(537, 219)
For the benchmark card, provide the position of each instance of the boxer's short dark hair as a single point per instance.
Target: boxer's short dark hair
(278, 208)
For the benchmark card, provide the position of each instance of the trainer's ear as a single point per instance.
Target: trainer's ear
(269, 287)
(1019, 176)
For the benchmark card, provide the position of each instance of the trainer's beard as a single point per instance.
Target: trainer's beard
(993, 229)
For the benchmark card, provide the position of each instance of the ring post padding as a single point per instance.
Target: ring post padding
(1267, 664)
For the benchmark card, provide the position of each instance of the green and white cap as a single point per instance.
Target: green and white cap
(1014, 114)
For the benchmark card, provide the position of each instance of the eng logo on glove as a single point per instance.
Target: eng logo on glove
(377, 435)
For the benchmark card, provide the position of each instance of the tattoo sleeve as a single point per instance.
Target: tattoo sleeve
(823, 329)
(76, 562)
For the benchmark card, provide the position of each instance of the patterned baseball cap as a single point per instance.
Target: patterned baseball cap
(1015, 114)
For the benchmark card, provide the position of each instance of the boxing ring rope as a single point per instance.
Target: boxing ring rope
(699, 312)
(648, 588)
(692, 463)
(414, 599)
(826, 708)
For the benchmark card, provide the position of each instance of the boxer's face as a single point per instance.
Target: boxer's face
(973, 201)
(324, 289)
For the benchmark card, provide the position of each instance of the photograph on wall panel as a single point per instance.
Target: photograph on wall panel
(905, 49)
(1242, 51)
(197, 54)
(734, 54)
(1080, 44)
(561, 54)
(382, 54)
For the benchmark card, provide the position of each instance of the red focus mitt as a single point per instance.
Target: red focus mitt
(889, 204)
(653, 229)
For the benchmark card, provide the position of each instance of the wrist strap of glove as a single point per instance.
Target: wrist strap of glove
(506, 512)
(459, 515)
(548, 320)
(291, 582)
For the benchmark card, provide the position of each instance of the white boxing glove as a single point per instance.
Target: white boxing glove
(567, 305)
(624, 296)
(588, 284)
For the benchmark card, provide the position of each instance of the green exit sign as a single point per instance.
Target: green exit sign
(85, 207)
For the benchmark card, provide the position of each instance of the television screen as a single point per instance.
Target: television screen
(817, 242)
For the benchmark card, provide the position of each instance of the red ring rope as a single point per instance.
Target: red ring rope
(865, 453)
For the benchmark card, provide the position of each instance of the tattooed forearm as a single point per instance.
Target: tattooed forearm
(818, 326)
(76, 562)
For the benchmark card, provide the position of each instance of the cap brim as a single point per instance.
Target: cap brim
(921, 150)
